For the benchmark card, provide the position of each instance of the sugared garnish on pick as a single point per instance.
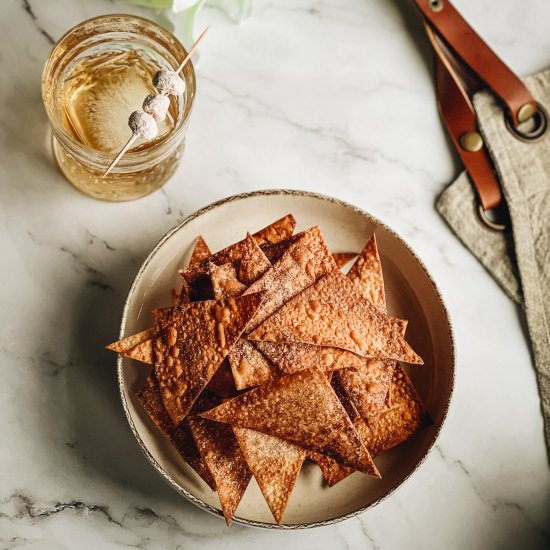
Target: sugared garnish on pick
(155, 106)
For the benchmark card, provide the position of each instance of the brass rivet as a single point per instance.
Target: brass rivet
(526, 112)
(471, 141)
(436, 5)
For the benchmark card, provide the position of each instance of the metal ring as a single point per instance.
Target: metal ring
(436, 5)
(528, 136)
(488, 222)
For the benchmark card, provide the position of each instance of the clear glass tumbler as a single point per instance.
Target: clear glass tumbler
(94, 77)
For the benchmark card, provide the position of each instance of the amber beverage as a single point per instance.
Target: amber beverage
(95, 76)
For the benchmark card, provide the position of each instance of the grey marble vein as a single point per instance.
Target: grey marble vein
(28, 8)
(496, 503)
(169, 209)
(349, 150)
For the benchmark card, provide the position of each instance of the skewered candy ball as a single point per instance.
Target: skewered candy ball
(168, 83)
(143, 125)
(156, 105)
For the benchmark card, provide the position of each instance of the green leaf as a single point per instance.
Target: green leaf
(155, 4)
(185, 22)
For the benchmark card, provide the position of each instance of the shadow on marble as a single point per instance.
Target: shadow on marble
(28, 143)
(412, 22)
(26, 121)
(101, 434)
(102, 440)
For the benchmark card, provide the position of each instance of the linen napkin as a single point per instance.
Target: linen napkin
(519, 259)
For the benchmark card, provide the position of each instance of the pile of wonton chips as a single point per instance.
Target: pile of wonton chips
(269, 356)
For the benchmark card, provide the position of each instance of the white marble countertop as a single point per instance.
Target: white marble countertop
(330, 96)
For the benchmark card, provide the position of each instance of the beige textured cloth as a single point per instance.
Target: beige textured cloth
(519, 260)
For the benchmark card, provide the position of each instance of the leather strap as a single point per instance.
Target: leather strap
(476, 54)
(457, 111)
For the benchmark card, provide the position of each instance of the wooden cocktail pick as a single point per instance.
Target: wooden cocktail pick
(191, 51)
(155, 106)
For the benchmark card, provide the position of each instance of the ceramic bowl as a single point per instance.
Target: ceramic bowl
(411, 294)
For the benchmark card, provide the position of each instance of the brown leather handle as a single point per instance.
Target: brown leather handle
(476, 54)
(458, 113)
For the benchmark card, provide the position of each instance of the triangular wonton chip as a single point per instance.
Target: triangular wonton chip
(129, 342)
(224, 281)
(222, 454)
(254, 262)
(305, 261)
(292, 357)
(405, 417)
(302, 409)
(366, 274)
(195, 340)
(367, 379)
(369, 389)
(311, 238)
(332, 313)
(142, 352)
(279, 230)
(140, 346)
(275, 464)
(180, 436)
(201, 251)
(395, 425)
(249, 366)
(276, 232)
(333, 472)
(297, 269)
